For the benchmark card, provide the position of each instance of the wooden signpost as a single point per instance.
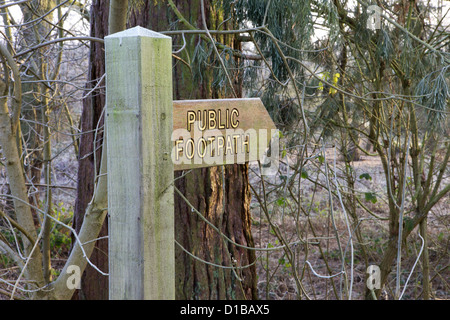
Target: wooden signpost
(148, 137)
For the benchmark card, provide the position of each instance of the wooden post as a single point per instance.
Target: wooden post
(140, 171)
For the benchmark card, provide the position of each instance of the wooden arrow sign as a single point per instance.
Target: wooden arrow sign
(219, 131)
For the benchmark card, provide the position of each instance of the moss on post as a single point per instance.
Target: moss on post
(140, 195)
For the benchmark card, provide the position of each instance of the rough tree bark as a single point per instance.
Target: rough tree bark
(224, 202)
(94, 286)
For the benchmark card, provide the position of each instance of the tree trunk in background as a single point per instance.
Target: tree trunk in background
(204, 190)
(225, 204)
(94, 286)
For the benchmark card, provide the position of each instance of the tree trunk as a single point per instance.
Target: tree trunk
(226, 205)
(33, 106)
(94, 286)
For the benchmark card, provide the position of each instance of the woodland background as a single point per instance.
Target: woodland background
(364, 177)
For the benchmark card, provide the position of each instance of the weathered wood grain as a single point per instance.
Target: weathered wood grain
(140, 171)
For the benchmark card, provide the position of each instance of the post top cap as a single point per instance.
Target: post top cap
(137, 32)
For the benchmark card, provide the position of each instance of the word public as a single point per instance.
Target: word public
(213, 119)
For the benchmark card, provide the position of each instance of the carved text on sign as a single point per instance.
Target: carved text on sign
(216, 132)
